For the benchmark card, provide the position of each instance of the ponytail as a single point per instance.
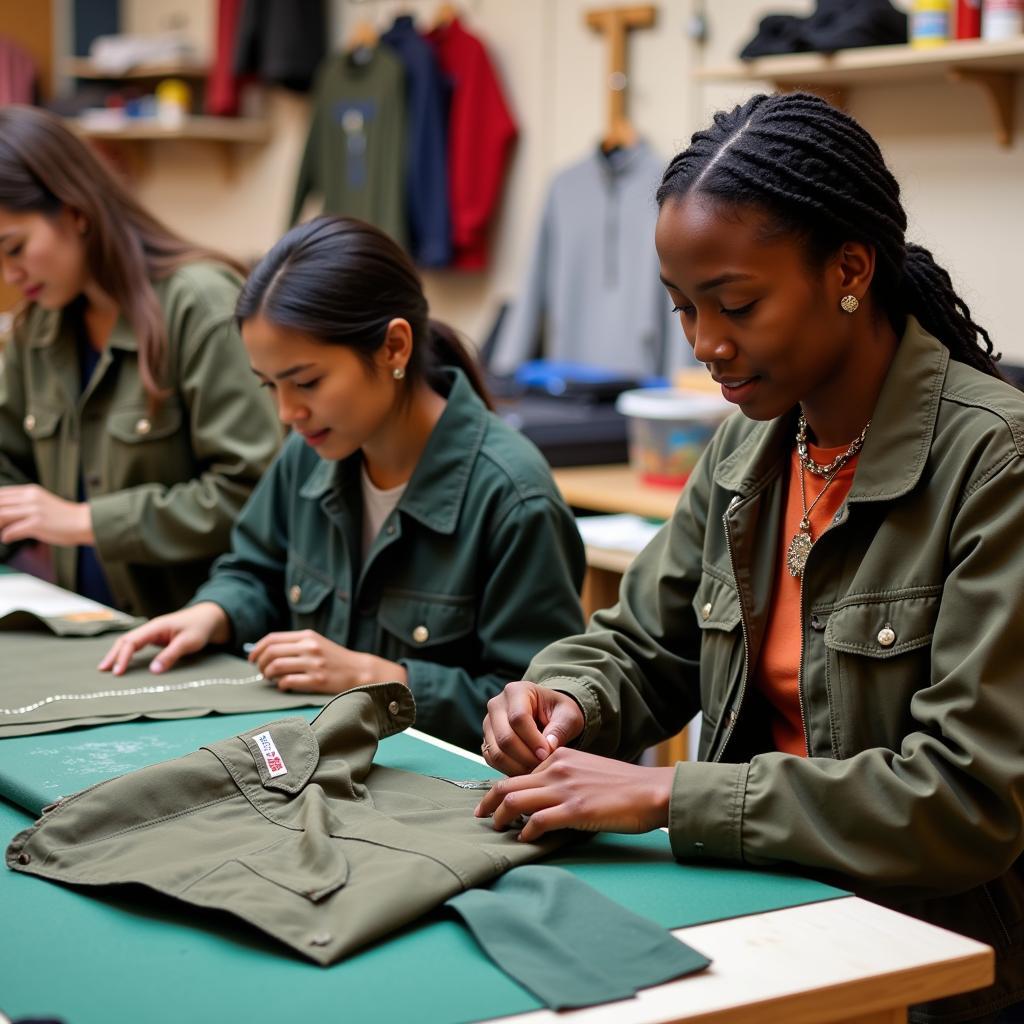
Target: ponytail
(449, 350)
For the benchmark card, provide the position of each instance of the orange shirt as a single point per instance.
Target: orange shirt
(778, 669)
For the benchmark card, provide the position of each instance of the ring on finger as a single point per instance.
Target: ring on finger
(485, 748)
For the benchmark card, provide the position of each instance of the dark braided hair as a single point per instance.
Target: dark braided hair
(821, 177)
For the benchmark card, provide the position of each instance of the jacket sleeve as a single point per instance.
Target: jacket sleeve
(635, 671)
(530, 596)
(248, 581)
(17, 463)
(234, 434)
(955, 783)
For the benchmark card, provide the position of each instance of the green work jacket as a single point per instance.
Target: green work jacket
(912, 792)
(476, 569)
(163, 489)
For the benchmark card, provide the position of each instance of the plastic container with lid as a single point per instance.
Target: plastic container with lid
(668, 430)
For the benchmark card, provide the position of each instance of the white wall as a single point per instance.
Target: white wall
(963, 193)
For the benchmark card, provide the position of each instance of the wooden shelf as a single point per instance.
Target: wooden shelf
(212, 129)
(82, 67)
(614, 489)
(992, 66)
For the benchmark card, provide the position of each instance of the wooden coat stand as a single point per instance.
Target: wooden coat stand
(615, 24)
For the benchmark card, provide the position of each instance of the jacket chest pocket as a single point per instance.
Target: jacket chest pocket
(147, 446)
(716, 606)
(437, 628)
(878, 655)
(41, 424)
(315, 603)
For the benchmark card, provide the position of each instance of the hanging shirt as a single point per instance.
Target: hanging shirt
(481, 131)
(592, 288)
(778, 670)
(355, 151)
(426, 175)
(281, 41)
(378, 504)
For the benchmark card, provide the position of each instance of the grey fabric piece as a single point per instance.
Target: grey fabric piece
(566, 942)
(84, 624)
(289, 826)
(593, 280)
(37, 666)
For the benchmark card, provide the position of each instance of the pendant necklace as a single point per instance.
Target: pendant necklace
(802, 542)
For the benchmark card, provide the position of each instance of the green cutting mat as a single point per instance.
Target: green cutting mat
(125, 956)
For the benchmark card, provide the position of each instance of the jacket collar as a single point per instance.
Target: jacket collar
(55, 324)
(897, 444)
(438, 485)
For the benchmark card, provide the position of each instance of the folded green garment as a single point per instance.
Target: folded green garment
(568, 944)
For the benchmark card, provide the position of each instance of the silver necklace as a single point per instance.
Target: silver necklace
(837, 463)
(133, 691)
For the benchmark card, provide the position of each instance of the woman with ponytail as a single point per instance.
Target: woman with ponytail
(405, 533)
(131, 432)
(840, 591)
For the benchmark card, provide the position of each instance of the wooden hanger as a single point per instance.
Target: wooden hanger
(615, 23)
(363, 36)
(445, 15)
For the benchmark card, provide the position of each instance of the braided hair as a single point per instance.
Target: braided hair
(821, 177)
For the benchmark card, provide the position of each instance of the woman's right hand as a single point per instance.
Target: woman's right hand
(525, 724)
(180, 633)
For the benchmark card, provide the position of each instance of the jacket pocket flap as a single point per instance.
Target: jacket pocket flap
(883, 629)
(136, 425)
(716, 604)
(41, 422)
(285, 754)
(304, 591)
(420, 620)
(308, 863)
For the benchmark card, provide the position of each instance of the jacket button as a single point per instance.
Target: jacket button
(390, 529)
(705, 612)
(838, 516)
(143, 426)
(294, 593)
(421, 634)
(886, 637)
(30, 422)
(816, 623)
(24, 858)
(393, 708)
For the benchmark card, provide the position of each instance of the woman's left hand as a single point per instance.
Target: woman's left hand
(305, 660)
(31, 512)
(573, 789)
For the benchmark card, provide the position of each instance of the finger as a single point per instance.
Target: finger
(271, 638)
(126, 648)
(551, 820)
(509, 812)
(523, 722)
(18, 529)
(111, 656)
(279, 667)
(272, 651)
(176, 649)
(298, 681)
(498, 758)
(494, 796)
(564, 725)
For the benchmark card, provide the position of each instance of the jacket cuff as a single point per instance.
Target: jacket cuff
(581, 692)
(705, 811)
(115, 526)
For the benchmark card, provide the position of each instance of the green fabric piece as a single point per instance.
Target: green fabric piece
(568, 944)
(37, 665)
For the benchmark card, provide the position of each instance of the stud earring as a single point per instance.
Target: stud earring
(398, 372)
(849, 303)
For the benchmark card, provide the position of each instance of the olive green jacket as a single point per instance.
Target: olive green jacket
(163, 489)
(477, 568)
(913, 790)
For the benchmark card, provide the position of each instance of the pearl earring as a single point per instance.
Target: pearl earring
(849, 303)
(398, 372)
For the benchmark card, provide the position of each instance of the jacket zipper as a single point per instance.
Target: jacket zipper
(733, 713)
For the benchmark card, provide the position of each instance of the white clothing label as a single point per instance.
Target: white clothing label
(275, 764)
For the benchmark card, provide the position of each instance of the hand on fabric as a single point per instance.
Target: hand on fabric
(31, 512)
(525, 723)
(306, 661)
(180, 633)
(574, 789)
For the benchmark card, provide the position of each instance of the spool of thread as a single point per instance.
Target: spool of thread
(929, 23)
(1002, 19)
(968, 19)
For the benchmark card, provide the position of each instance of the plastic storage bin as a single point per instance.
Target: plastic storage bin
(668, 430)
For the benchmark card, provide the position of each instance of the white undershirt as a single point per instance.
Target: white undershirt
(377, 506)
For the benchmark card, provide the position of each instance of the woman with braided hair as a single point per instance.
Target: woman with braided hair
(840, 589)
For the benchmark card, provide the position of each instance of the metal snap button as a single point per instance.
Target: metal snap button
(705, 612)
(816, 623)
(393, 708)
(294, 593)
(390, 529)
(421, 634)
(143, 426)
(838, 516)
(24, 858)
(886, 637)
(30, 422)
(320, 939)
